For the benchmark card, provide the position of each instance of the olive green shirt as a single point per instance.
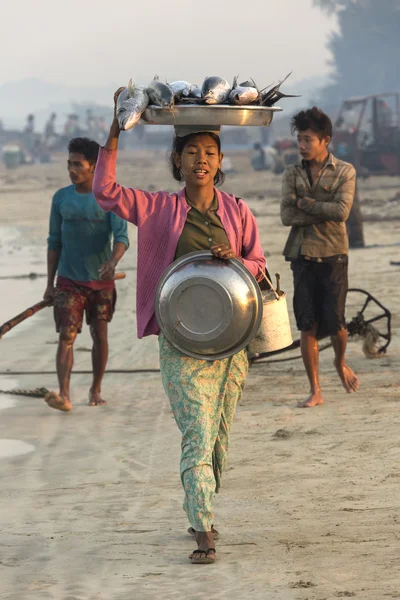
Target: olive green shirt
(200, 232)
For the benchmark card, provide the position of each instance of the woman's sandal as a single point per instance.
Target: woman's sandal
(206, 559)
(215, 533)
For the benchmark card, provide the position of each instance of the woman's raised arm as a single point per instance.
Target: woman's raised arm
(130, 204)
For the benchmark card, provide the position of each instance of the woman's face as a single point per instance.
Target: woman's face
(200, 160)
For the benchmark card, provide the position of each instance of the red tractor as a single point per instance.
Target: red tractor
(367, 134)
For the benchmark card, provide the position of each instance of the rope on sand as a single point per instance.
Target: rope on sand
(370, 338)
(86, 372)
(36, 393)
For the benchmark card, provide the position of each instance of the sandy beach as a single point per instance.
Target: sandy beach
(90, 507)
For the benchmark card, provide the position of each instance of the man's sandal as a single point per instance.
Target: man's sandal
(202, 557)
(215, 533)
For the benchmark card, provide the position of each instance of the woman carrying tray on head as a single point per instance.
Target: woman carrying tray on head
(203, 394)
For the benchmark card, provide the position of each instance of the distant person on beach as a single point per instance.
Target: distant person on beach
(50, 137)
(50, 127)
(317, 196)
(30, 124)
(71, 127)
(30, 138)
(79, 250)
(91, 124)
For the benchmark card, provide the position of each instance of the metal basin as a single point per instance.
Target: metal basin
(194, 114)
(206, 307)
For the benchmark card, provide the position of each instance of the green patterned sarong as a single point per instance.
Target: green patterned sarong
(203, 396)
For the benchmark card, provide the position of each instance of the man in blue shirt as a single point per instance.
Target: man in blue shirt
(79, 251)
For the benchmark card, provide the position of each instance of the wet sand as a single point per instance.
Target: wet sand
(308, 508)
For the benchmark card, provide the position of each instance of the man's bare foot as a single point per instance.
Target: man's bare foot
(58, 402)
(205, 552)
(314, 399)
(348, 377)
(95, 399)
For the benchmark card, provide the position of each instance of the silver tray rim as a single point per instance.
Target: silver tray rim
(182, 114)
(204, 255)
(215, 107)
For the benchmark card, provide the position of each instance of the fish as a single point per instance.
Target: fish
(195, 92)
(265, 97)
(245, 93)
(131, 103)
(182, 89)
(215, 90)
(190, 100)
(194, 96)
(160, 94)
(249, 83)
(277, 96)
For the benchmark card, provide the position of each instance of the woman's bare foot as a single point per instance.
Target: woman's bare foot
(205, 552)
(58, 402)
(348, 377)
(314, 399)
(95, 399)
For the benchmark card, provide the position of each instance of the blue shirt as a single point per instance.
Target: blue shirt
(82, 232)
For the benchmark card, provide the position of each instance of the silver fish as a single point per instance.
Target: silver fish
(181, 89)
(277, 96)
(160, 94)
(194, 96)
(245, 93)
(190, 100)
(131, 103)
(215, 90)
(249, 83)
(195, 92)
(267, 96)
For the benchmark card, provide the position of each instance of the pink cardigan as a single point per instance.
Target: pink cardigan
(160, 218)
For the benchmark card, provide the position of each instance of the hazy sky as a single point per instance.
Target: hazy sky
(101, 41)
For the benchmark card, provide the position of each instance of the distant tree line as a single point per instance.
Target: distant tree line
(365, 49)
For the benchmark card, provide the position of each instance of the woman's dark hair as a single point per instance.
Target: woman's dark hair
(89, 148)
(314, 119)
(177, 147)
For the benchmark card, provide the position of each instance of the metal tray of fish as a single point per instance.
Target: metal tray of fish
(193, 114)
(206, 307)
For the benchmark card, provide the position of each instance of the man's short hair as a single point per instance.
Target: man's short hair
(89, 148)
(315, 119)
